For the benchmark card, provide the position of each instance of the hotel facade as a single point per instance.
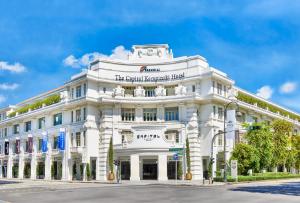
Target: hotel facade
(148, 104)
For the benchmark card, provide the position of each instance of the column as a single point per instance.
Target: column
(160, 113)
(84, 178)
(66, 158)
(139, 113)
(48, 161)
(162, 167)
(214, 166)
(21, 160)
(134, 167)
(33, 160)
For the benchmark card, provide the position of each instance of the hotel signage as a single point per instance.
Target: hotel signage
(147, 69)
(147, 78)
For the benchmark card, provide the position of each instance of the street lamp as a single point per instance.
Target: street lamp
(225, 117)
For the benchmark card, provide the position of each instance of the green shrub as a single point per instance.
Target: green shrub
(88, 171)
(260, 176)
(264, 105)
(53, 99)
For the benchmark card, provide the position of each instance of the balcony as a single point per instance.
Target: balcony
(77, 150)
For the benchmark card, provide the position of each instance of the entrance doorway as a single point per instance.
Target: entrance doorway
(149, 170)
(125, 170)
(4, 171)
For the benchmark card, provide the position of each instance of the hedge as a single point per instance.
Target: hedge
(53, 99)
(264, 105)
(257, 177)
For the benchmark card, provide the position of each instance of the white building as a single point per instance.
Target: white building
(149, 104)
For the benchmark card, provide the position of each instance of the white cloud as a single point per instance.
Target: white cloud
(2, 99)
(6, 86)
(117, 53)
(14, 68)
(265, 92)
(288, 87)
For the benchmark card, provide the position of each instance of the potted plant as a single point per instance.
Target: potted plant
(88, 171)
(111, 175)
(188, 175)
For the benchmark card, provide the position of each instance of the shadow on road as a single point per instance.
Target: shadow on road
(291, 188)
(5, 182)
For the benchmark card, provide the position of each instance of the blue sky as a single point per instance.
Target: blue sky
(255, 42)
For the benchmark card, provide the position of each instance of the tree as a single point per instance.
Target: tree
(260, 137)
(282, 130)
(111, 156)
(247, 157)
(188, 157)
(88, 171)
(179, 169)
(296, 146)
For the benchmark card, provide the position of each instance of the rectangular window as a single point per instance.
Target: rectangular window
(84, 138)
(40, 145)
(28, 126)
(220, 140)
(55, 142)
(171, 114)
(78, 115)
(41, 123)
(149, 91)
(220, 113)
(27, 146)
(72, 117)
(193, 88)
(219, 89)
(78, 140)
(84, 113)
(57, 119)
(129, 91)
(214, 111)
(16, 129)
(149, 114)
(72, 93)
(78, 91)
(5, 132)
(128, 114)
(84, 89)
(170, 90)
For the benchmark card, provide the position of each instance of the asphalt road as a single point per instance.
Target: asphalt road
(66, 192)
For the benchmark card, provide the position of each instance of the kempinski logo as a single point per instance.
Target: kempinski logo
(146, 69)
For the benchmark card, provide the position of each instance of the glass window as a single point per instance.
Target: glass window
(149, 114)
(220, 139)
(27, 146)
(128, 114)
(171, 114)
(78, 91)
(172, 135)
(5, 132)
(57, 119)
(40, 145)
(78, 140)
(78, 115)
(41, 123)
(72, 93)
(193, 88)
(72, 117)
(149, 91)
(219, 89)
(129, 91)
(84, 138)
(16, 129)
(84, 113)
(84, 89)
(220, 113)
(170, 90)
(27, 126)
(55, 142)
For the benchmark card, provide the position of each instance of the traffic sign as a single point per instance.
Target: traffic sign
(175, 157)
(175, 149)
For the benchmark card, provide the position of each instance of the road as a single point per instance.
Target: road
(286, 191)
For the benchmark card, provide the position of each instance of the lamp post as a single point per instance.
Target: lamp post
(225, 117)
